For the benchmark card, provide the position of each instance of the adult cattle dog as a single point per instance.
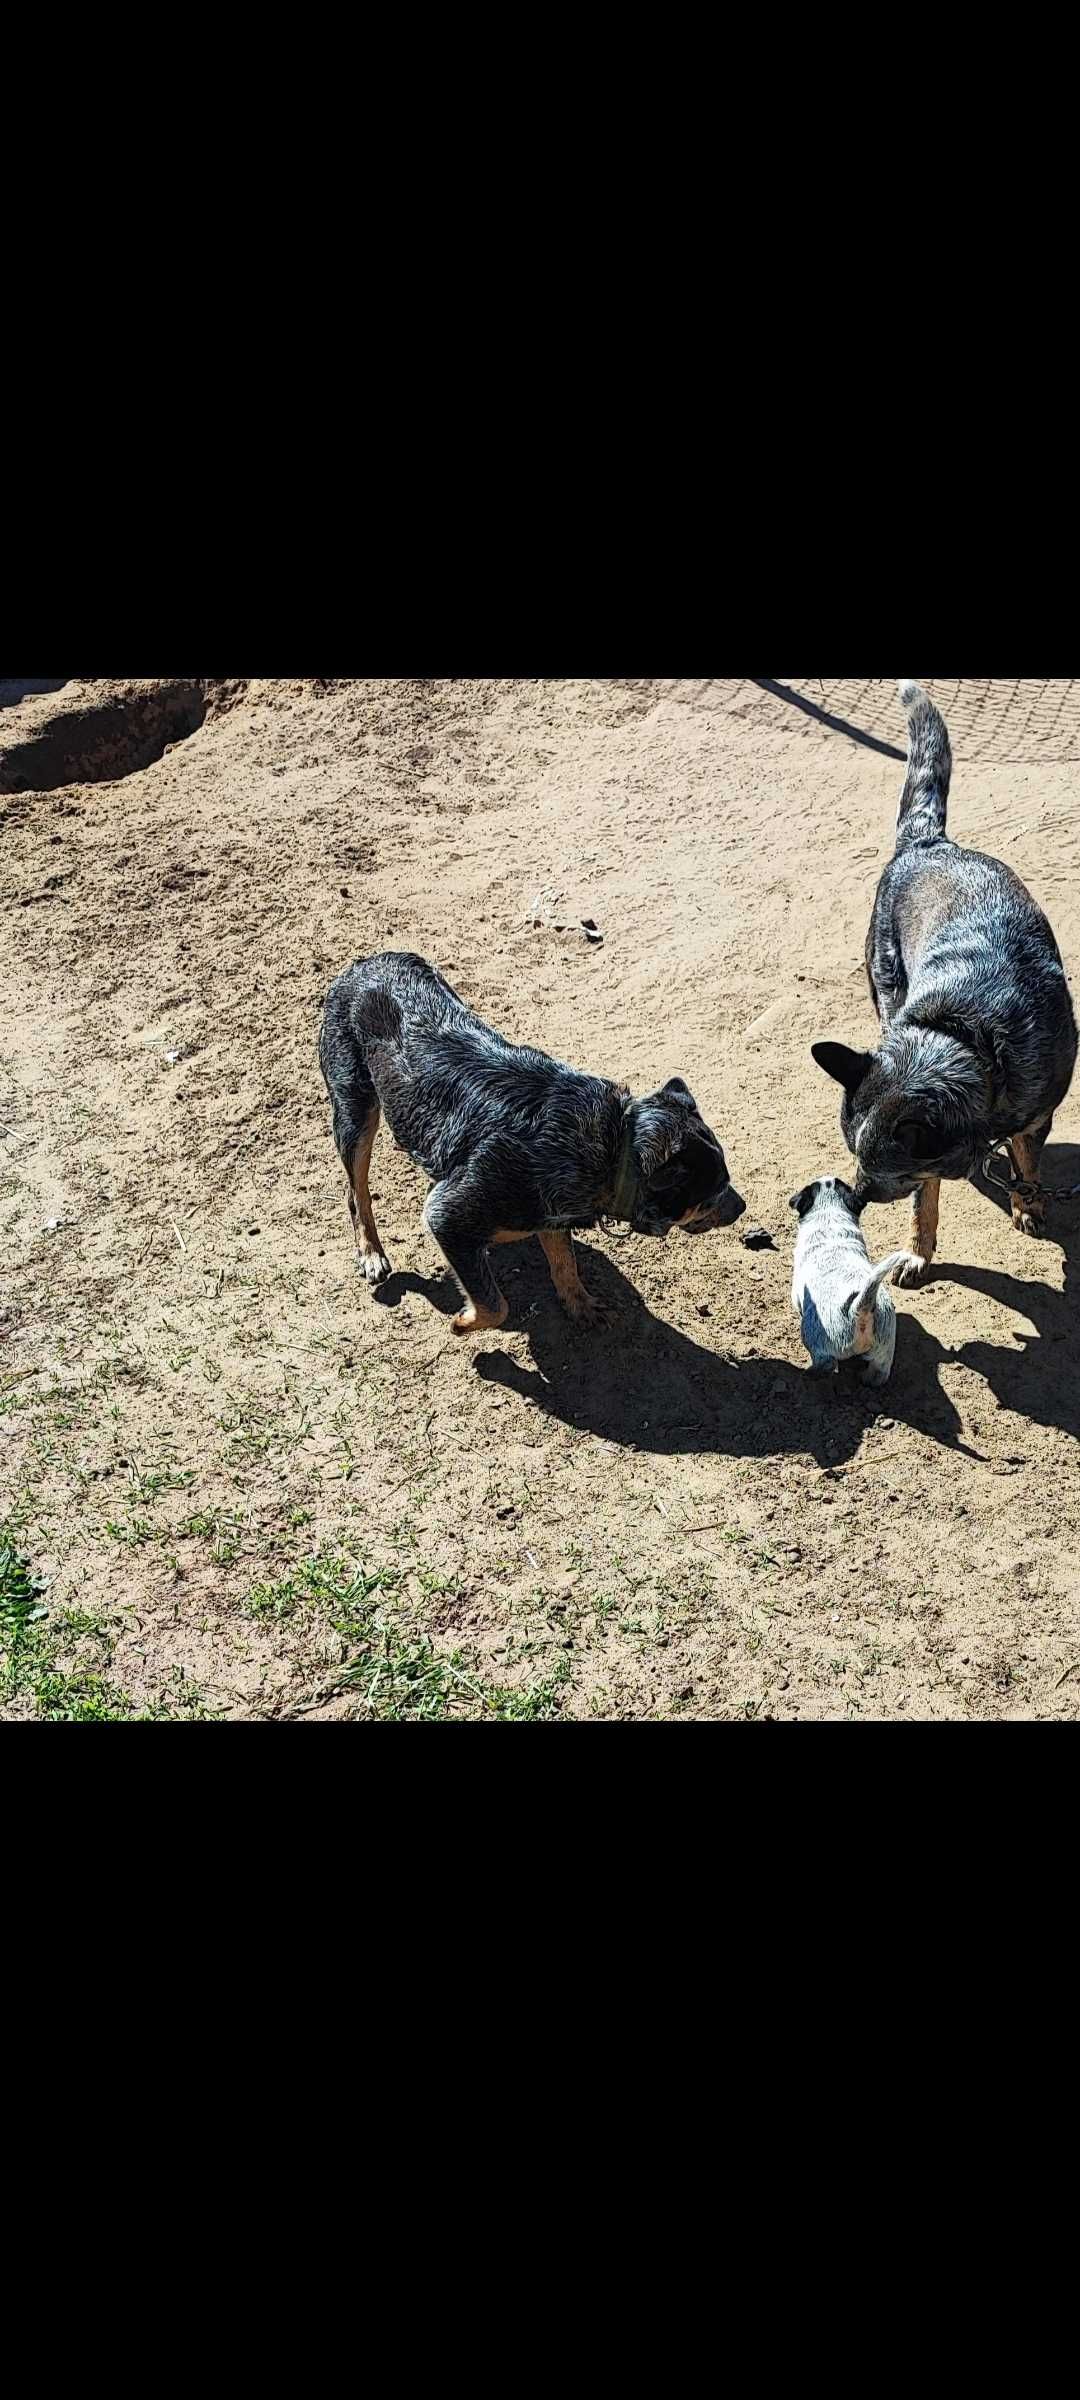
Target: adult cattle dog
(513, 1142)
(978, 1033)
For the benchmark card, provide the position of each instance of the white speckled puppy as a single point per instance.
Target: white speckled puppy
(837, 1295)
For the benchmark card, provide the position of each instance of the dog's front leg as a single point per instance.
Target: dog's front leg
(1028, 1201)
(579, 1304)
(923, 1236)
(450, 1215)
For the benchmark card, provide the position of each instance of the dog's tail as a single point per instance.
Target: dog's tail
(924, 799)
(865, 1300)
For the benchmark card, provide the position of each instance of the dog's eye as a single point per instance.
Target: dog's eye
(920, 1139)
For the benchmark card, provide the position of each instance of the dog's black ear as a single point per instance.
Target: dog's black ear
(676, 1089)
(845, 1066)
(804, 1199)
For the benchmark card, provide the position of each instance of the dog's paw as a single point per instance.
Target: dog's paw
(1029, 1220)
(912, 1271)
(479, 1320)
(373, 1265)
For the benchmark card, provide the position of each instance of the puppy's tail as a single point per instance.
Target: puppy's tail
(865, 1300)
(924, 799)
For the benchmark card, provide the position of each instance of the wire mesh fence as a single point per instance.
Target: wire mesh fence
(1007, 721)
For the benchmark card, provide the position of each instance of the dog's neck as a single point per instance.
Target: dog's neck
(951, 1053)
(624, 1189)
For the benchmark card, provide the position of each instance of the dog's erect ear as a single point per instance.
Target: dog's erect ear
(805, 1199)
(676, 1089)
(845, 1066)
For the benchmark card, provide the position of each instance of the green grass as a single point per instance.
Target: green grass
(20, 1592)
(44, 1659)
(328, 1581)
(79, 1700)
(393, 1671)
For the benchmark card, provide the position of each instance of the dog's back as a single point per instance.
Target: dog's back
(395, 1032)
(956, 942)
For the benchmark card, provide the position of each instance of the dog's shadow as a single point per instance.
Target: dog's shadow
(1034, 1375)
(645, 1385)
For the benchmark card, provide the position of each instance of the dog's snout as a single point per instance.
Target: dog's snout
(720, 1212)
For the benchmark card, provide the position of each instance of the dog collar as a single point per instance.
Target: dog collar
(625, 1186)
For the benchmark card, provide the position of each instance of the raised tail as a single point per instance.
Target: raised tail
(924, 799)
(865, 1301)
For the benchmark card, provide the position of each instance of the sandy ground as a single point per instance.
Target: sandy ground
(253, 1491)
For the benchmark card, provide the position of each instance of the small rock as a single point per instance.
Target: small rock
(591, 930)
(754, 1237)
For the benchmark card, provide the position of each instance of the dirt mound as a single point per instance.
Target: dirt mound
(101, 732)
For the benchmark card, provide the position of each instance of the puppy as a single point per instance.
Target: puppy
(835, 1293)
(978, 1033)
(514, 1143)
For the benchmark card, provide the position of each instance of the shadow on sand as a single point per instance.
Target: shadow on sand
(645, 1385)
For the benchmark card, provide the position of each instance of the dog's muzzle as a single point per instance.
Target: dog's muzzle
(876, 1191)
(725, 1211)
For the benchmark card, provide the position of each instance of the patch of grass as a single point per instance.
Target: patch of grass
(20, 1592)
(327, 1581)
(42, 1662)
(203, 1524)
(401, 1679)
(79, 1700)
(531, 1704)
(393, 1670)
(132, 1536)
(148, 1483)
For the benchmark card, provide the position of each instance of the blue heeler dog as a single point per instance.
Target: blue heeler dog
(512, 1141)
(835, 1292)
(978, 1037)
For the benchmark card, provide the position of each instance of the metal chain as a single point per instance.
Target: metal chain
(1025, 1189)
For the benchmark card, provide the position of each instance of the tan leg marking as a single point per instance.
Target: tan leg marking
(372, 1258)
(1027, 1212)
(579, 1304)
(923, 1236)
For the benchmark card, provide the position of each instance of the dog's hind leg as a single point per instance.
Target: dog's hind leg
(371, 1258)
(450, 1216)
(1028, 1203)
(579, 1304)
(876, 1364)
(923, 1236)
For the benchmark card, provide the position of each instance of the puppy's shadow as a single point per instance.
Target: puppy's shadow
(646, 1386)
